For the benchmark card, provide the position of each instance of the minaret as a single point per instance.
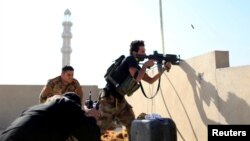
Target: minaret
(66, 35)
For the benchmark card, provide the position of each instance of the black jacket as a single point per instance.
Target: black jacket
(54, 121)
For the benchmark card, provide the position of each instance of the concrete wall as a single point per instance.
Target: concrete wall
(16, 98)
(200, 91)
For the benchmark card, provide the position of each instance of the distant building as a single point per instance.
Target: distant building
(66, 35)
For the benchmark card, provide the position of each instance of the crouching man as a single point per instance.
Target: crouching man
(56, 120)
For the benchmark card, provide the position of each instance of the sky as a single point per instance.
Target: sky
(31, 42)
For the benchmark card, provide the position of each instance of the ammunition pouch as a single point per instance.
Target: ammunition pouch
(128, 86)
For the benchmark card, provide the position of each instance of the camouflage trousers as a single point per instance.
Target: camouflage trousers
(113, 109)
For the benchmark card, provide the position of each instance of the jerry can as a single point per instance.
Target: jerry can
(160, 129)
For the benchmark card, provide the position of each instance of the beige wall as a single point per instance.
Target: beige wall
(200, 91)
(16, 98)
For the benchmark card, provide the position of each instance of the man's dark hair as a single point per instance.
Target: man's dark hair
(134, 46)
(67, 68)
(74, 97)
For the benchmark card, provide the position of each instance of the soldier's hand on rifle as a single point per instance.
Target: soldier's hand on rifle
(149, 63)
(92, 112)
(167, 66)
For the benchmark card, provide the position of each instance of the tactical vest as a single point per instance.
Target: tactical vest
(126, 87)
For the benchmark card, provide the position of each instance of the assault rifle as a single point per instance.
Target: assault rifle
(172, 58)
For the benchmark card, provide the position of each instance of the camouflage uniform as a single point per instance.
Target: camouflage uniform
(111, 109)
(56, 86)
